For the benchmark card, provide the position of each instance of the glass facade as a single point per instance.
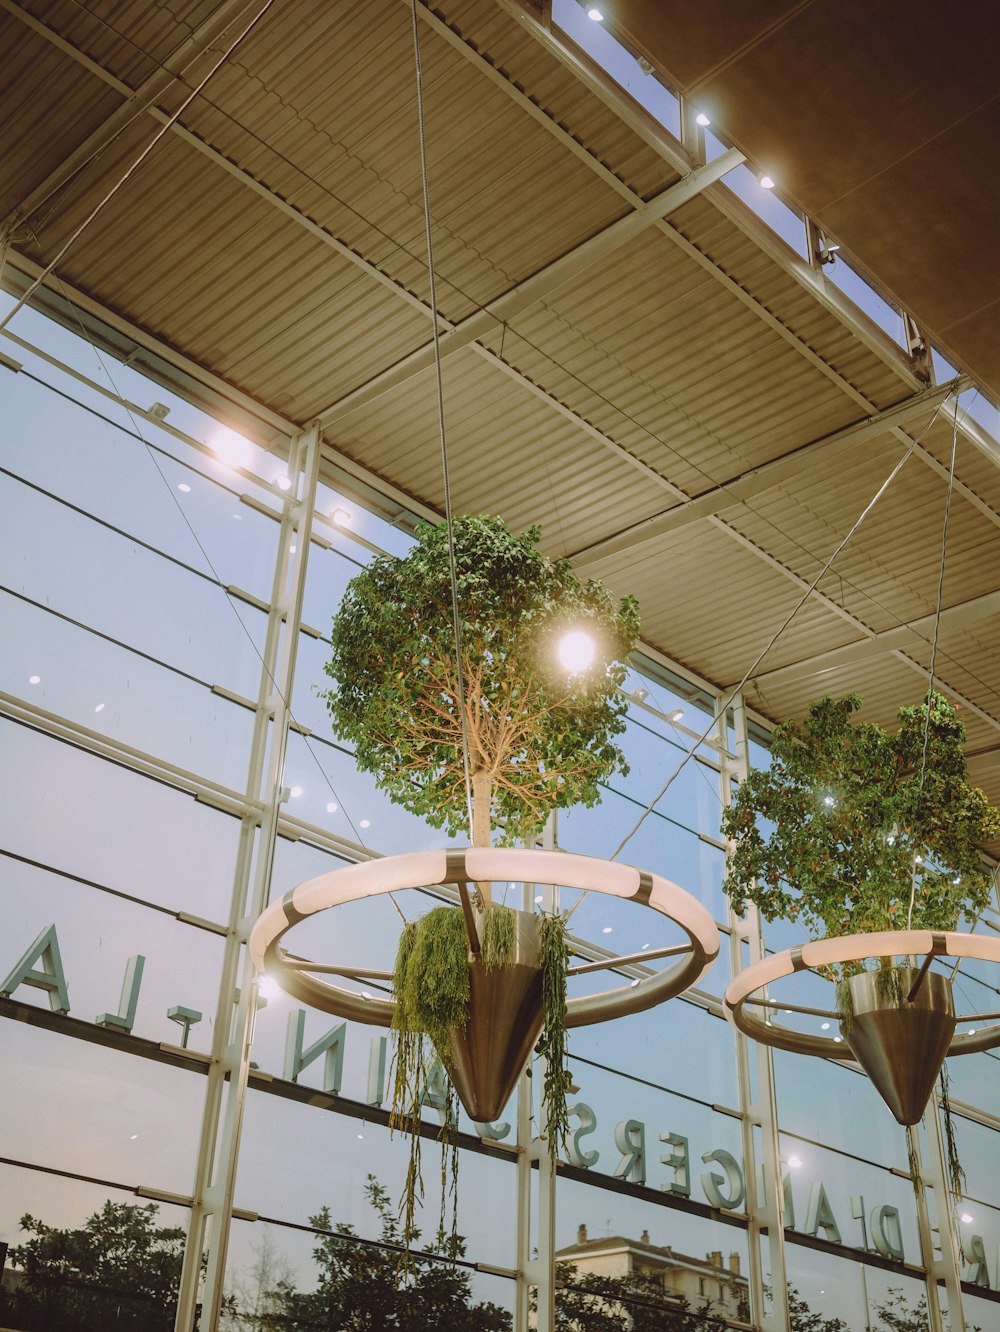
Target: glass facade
(147, 796)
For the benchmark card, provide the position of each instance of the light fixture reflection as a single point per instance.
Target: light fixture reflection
(766, 183)
(594, 13)
(702, 120)
(296, 792)
(331, 807)
(366, 823)
(268, 987)
(576, 651)
(34, 679)
(283, 483)
(795, 1162)
(184, 488)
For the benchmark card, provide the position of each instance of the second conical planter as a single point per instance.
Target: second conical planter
(901, 1045)
(485, 1058)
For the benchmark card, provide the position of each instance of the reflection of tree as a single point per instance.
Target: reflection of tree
(362, 1287)
(803, 1319)
(589, 1302)
(896, 1315)
(119, 1271)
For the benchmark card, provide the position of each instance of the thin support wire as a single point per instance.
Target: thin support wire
(130, 170)
(453, 572)
(718, 718)
(934, 645)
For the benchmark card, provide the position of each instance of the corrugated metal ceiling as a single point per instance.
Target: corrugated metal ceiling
(277, 240)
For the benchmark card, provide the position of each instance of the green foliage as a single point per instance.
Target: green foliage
(847, 817)
(364, 1288)
(431, 982)
(543, 740)
(552, 1046)
(119, 1270)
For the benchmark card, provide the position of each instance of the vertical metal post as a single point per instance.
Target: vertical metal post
(765, 1207)
(215, 1172)
(536, 1270)
(941, 1262)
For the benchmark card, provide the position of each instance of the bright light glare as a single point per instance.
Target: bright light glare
(184, 488)
(331, 807)
(676, 715)
(283, 483)
(576, 651)
(342, 517)
(702, 119)
(795, 1162)
(231, 448)
(34, 679)
(296, 792)
(766, 183)
(606, 930)
(829, 801)
(966, 1218)
(268, 987)
(366, 823)
(824, 1026)
(594, 13)
(99, 708)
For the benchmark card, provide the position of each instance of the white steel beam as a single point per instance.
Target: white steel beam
(136, 102)
(539, 285)
(763, 478)
(903, 637)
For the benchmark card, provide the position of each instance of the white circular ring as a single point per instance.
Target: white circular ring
(421, 869)
(852, 948)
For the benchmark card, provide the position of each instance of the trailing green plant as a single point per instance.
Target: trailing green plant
(849, 823)
(552, 1046)
(956, 1175)
(431, 983)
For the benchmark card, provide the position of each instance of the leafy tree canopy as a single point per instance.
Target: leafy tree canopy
(590, 1302)
(838, 827)
(119, 1270)
(363, 1288)
(539, 738)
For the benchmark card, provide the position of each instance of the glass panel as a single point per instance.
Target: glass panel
(109, 1260)
(745, 184)
(852, 284)
(73, 1105)
(96, 935)
(72, 811)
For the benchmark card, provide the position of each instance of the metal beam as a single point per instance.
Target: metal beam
(539, 285)
(902, 637)
(763, 478)
(137, 102)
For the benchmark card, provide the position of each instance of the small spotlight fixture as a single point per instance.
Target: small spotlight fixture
(766, 183)
(606, 930)
(640, 695)
(366, 823)
(99, 708)
(594, 13)
(184, 488)
(331, 807)
(296, 792)
(676, 715)
(827, 254)
(824, 1026)
(966, 1218)
(34, 679)
(702, 120)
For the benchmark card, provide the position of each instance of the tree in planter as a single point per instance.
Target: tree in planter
(539, 738)
(857, 821)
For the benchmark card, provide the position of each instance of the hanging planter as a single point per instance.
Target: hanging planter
(480, 682)
(875, 833)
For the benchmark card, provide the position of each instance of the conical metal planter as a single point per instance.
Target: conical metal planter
(901, 1045)
(485, 1059)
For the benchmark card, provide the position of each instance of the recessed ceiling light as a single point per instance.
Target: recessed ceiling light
(283, 482)
(766, 183)
(824, 1026)
(837, 1039)
(972, 1031)
(606, 930)
(676, 715)
(366, 994)
(184, 488)
(331, 807)
(99, 708)
(594, 13)
(702, 120)
(34, 679)
(366, 823)
(296, 792)
(538, 898)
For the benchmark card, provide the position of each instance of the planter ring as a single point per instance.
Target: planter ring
(421, 869)
(740, 994)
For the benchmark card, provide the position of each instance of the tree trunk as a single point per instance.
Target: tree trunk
(482, 790)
